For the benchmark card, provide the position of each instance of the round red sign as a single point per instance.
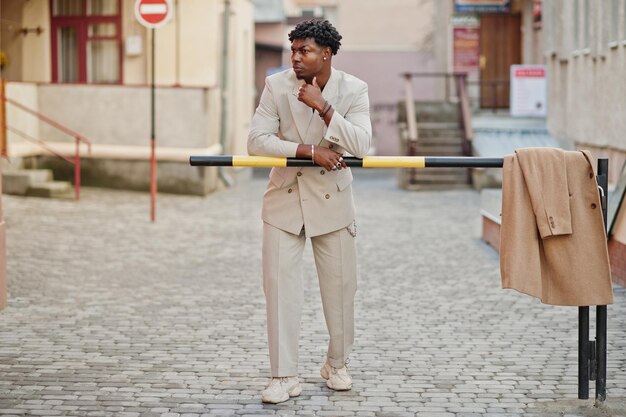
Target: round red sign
(153, 13)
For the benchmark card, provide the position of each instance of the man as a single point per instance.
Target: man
(316, 112)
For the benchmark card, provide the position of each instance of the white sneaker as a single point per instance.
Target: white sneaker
(337, 379)
(280, 389)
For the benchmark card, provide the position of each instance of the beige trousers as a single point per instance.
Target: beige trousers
(335, 261)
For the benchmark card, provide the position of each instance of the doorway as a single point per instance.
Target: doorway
(500, 47)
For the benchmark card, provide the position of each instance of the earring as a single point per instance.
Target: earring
(324, 58)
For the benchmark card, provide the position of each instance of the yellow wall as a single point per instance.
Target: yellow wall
(36, 56)
(190, 56)
(134, 67)
(200, 40)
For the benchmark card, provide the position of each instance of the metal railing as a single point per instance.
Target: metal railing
(77, 137)
(465, 114)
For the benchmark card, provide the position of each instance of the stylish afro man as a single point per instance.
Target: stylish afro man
(318, 113)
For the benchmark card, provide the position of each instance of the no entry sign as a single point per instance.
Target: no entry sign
(153, 13)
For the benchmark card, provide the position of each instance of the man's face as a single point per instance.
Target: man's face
(307, 58)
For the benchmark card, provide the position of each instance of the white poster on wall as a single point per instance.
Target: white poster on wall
(529, 90)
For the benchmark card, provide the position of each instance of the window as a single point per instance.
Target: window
(311, 12)
(550, 29)
(614, 22)
(586, 35)
(624, 20)
(576, 28)
(86, 41)
(581, 33)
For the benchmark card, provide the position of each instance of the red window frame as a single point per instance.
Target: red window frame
(81, 23)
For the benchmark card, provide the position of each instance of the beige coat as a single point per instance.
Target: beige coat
(553, 242)
(318, 199)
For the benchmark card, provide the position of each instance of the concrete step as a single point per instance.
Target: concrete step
(431, 111)
(52, 189)
(454, 126)
(452, 134)
(448, 130)
(439, 140)
(453, 150)
(18, 182)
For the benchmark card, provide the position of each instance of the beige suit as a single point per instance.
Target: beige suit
(553, 244)
(309, 202)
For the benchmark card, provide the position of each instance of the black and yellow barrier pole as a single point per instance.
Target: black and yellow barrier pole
(591, 354)
(367, 162)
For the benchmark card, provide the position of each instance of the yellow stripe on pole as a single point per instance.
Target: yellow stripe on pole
(258, 161)
(394, 162)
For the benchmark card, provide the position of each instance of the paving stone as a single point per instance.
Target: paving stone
(111, 315)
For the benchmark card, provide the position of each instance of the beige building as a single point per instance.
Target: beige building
(87, 65)
(585, 50)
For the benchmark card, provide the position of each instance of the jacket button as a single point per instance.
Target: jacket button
(322, 172)
(593, 205)
(299, 174)
(289, 191)
(591, 175)
(327, 196)
(331, 146)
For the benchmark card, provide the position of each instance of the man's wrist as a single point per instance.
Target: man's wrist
(320, 106)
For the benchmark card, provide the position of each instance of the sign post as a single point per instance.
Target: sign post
(153, 14)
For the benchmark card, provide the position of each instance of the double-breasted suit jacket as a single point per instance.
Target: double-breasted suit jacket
(315, 198)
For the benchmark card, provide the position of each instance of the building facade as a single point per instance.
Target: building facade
(87, 65)
(384, 40)
(585, 51)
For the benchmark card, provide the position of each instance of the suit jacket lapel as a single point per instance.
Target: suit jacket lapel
(301, 112)
(330, 94)
(331, 89)
(311, 131)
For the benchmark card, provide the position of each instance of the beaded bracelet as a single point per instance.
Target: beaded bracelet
(325, 110)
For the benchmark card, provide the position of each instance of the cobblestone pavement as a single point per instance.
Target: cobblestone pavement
(110, 315)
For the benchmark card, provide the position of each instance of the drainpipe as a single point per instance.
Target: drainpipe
(228, 180)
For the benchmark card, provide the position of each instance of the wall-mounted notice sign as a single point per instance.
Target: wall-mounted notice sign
(466, 48)
(528, 90)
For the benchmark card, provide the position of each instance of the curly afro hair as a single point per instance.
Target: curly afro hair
(322, 31)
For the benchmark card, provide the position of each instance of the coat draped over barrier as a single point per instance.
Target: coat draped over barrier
(553, 242)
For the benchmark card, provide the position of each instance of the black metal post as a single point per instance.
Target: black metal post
(153, 166)
(583, 353)
(601, 311)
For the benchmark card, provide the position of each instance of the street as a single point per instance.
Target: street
(110, 315)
